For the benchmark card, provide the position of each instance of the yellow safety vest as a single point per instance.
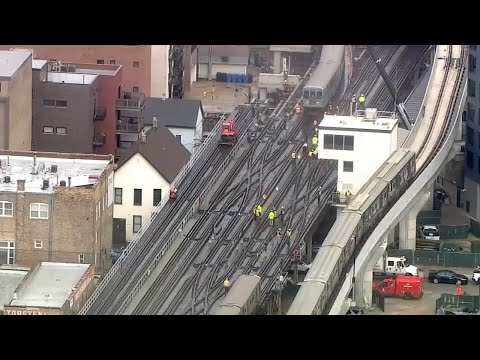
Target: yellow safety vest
(271, 215)
(361, 99)
(314, 140)
(259, 208)
(226, 283)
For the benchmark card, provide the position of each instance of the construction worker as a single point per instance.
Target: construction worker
(279, 233)
(255, 213)
(289, 234)
(315, 140)
(310, 154)
(315, 153)
(337, 110)
(319, 194)
(330, 108)
(361, 102)
(282, 214)
(354, 104)
(305, 149)
(271, 217)
(259, 210)
(226, 285)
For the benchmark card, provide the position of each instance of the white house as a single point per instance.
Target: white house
(142, 179)
(361, 144)
(184, 118)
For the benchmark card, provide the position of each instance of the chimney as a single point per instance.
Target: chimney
(69, 181)
(20, 185)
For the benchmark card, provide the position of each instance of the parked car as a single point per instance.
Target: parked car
(476, 276)
(429, 232)
(447, 277)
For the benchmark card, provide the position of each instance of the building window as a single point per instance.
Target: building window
(113, 62)
(136, 64)
(137, 223)
(470, 112)
(48, 130)
(38, 211)
(179, 137)
(135, 89)
(60, 103)
(49, 103)
(469, 159)
(348, 166)
(470, 136)
(328, 142)
(471, 88)
(467, 206)
(61, 131)
(472, 63)
(137, 197)
(338, 142)
(6, 209)
(81, 259)
(118, 196)
(100, 61)
(7, 252)
(157, 196)
(37, 244)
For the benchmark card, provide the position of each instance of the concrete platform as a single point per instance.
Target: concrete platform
(220, 95)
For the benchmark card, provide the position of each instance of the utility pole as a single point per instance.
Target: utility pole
(210, 51)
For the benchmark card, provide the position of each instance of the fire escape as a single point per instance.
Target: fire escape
(175, 80)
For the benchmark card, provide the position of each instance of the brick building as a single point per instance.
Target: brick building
(15, 100)
(74, 107)
(145, 67)
(56, 207)
(53, 289)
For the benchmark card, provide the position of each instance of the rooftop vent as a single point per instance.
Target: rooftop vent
(53, 168)
(370, 114)
(6, 179)
(63, 183)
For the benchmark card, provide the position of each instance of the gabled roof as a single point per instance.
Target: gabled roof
(180, 113)
(162, 150)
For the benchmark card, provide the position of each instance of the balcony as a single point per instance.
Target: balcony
(130, 101)
(99, 140)
(100, 114)
(129, 127)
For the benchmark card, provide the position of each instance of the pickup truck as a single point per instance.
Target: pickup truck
(429, 232)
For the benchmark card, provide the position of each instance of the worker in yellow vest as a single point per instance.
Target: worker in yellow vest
(361, 102)
(226, 285)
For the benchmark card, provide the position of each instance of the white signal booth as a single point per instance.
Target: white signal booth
(360, 143)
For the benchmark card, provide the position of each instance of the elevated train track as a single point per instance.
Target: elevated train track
(428, 138)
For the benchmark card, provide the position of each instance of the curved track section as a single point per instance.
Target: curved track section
(431, 140)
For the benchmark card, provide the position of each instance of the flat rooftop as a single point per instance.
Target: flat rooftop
(70, 78)
(11, 61)
(49, 285)
(82, 172)
(357, 123)
(38, 64)
(9, 281)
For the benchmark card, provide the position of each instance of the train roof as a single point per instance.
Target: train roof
(375, 185)
(324, 262)
(306, 299)
(241, 290)
(331, 57)
(228, 310)
(342, 229)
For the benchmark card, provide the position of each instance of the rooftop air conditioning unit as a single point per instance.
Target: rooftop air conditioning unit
(370, 114)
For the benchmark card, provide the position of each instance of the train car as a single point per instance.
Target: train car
(242, 298)
(355, 224)
(326, 78)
